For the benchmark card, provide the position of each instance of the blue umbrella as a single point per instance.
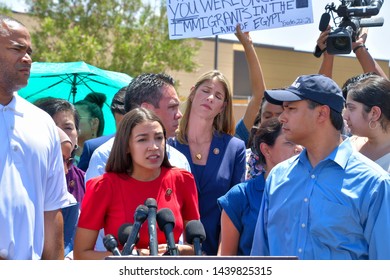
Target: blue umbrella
(73, 81)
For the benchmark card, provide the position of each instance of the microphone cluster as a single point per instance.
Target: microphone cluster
(151, 203)
(140, 215)
(128, 234)
(195, 235)
(166, 223)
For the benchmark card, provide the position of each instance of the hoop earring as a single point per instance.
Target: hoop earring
(370, 125)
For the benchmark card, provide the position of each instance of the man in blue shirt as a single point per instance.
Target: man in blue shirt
(329, 202)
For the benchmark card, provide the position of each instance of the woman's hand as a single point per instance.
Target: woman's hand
(163, 249)
(244, 37)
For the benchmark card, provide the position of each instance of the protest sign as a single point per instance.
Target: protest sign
(200, 18)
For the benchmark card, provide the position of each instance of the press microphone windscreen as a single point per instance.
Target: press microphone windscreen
(124, 232)
(324, 22)
(165, 216)
(166, 223)
(141, 213)
(111, 244)
(151, 202)
(194, 229)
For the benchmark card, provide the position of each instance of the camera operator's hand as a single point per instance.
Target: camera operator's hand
(367, 62)
(321, 41)
(361, 40)
(326, 67)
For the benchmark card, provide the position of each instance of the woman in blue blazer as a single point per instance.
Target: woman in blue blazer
(217, 158)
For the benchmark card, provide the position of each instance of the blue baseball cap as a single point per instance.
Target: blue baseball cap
(317, 88)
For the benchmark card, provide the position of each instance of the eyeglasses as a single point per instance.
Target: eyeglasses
(68, 162)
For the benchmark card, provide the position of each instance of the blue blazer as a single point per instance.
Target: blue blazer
(88, 149)
(225, 168)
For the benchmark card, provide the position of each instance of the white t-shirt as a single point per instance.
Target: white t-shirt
(384, 162)
(32, 178)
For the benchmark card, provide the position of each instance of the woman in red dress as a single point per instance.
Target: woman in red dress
(137, 169)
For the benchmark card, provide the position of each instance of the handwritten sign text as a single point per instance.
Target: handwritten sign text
(198, 18)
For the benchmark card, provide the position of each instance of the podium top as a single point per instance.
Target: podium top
(219, 258)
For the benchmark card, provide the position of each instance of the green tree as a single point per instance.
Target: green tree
(5, 10)
(128, 36)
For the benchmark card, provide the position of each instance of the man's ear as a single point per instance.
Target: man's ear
(323, 113)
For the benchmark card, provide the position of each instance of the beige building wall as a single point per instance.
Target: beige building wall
(27, 20)
(205, 59)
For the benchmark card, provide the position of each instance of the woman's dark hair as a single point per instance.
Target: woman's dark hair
(257, 120)
(373, 91)
(54, 105)
(353, 80)
(93, 104)
(256, 123)
(267, 133)
(120, 160)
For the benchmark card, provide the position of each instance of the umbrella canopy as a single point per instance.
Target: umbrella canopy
(73, 81)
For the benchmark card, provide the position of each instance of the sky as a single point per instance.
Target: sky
(304, 37)
(301, 38)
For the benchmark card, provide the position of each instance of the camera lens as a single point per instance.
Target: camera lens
(341, 43)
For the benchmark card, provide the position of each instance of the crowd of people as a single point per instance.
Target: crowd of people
(304, 173)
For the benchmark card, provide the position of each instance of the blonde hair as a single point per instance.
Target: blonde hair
(224, 121)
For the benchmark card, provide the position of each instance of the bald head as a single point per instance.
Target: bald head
(7, 24)
(15, 57)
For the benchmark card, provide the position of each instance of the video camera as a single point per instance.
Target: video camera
(354, 15)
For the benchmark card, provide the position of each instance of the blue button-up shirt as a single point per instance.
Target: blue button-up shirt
(340, 209)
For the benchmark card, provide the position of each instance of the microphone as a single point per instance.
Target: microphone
(124, 232)
(166, 223)
(151, 203)
(195, 235)
(324, 21)
(140, 215)
(111, 244)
